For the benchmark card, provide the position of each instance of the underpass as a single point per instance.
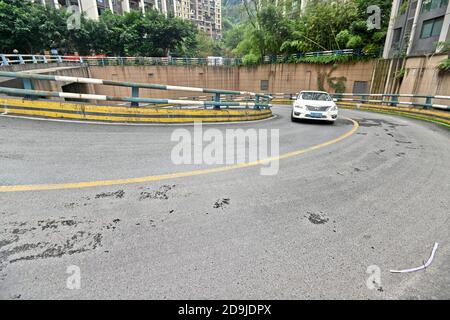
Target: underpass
(369, 190)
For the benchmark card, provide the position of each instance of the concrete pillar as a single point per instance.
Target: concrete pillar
(125, 6)
(303, 4)
(175, 8)
(390, 32)
(111, 7)
(90, 8)
(414, 27)
(164, 6)
(445, 32)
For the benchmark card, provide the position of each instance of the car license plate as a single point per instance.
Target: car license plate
(315, 115)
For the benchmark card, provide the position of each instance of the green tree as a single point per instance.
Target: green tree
(325, 25)
(32, 28)
(317, 29)
(206, 46)
(29, 27)
(266, 29)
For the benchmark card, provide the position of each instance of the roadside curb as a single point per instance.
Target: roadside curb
(81, 111)
(435, 116)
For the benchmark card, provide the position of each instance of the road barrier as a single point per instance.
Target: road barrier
(432, 115)
(11, 59)
(8, 59)
(393, 99)
(82, 111)
(260, 100)
(255, 107)
(386, 99)
(387, 103)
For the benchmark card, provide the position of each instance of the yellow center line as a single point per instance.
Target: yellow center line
(89, 184)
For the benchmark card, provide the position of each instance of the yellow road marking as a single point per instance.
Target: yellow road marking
(89, 184)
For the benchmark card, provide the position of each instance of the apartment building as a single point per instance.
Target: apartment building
(206, 14)
(416, 26)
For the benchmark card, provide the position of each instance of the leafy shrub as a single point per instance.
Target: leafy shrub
(342, 37)
(354, 42)
(444, 65)
(250, 59)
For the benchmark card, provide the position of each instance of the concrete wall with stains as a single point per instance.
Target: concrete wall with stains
(422, 77)
(279, 78)
(65, 69)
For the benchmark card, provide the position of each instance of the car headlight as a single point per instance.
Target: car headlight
(299, 106)
(334, 108)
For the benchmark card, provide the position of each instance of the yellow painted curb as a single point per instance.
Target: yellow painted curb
(78, 111)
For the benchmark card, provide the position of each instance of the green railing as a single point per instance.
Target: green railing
(11, 59)
(218, 96)
(426, 101)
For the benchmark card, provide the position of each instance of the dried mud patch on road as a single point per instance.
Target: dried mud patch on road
(317, 218)
(50, 238)
(378, 123)
(12, 156)
(119, 194)
(161, 194)
(221, 203)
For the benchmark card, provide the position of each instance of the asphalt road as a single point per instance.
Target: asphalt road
(378, 197)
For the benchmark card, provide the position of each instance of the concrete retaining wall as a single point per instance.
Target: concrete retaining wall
(423, 78)
(65, 69)
(277, 77)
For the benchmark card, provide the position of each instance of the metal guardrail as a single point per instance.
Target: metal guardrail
(160, 61)
(256, 101)
(393, 99)
(382, 98)
(294, 57)
(10, 59)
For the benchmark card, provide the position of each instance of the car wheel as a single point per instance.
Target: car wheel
(292, 118)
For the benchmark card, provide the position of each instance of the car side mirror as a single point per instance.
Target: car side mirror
(294, 97)
(335, 100)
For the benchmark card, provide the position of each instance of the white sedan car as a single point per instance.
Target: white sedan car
(314, 105)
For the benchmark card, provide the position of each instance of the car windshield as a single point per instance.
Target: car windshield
(319, 96)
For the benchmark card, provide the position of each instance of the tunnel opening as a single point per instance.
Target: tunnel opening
(75, 88)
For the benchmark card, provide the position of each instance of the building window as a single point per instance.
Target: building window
(264, 85)
(429, 5)
(397, 35)
(134, 5)
(67, 3)
(431, 28)
(117, 6)
(360, 87)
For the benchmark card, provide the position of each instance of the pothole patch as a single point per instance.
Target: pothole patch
(221, 203)
(317, 218)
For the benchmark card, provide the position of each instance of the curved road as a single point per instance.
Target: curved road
(344, 199)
